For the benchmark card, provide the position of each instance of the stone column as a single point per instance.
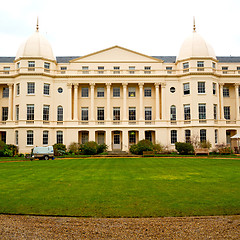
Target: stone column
(163, 101)
(10, 101)
(75, 112)
(221, 107)
(141, 118)
(69, 115)
(108, 136)
(108, 102)
(157, 118)
(92, 118)
(237, 100)
(124, 102)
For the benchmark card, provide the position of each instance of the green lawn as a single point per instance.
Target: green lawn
(123, 187)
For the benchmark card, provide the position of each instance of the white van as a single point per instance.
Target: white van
(43, 152)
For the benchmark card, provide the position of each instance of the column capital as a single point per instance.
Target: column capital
(157, 84)
(140, 84)
(69, 85)
(124, 84)
(10, 85)
(236, 84)
(92, 84)
(221, 84)
(163, 84)
(75, 85)
(108, 84)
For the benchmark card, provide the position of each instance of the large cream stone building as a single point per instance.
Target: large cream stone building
(117, 96)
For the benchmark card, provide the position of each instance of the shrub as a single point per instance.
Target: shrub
(74, 148)
(143, 145)
(90, 148)
(184, 148)
(101, 148)
(205, 144)
(8, 150)
(59, 149)
(224, 149)
(157, 147)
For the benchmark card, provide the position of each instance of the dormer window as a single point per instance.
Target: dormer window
(200, 65)
(186, 67)
(31, 65)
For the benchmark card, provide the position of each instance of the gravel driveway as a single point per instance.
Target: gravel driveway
(36, 227)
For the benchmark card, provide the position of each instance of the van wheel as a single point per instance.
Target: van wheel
(46, 157)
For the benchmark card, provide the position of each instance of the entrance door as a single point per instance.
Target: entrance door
(116, 140)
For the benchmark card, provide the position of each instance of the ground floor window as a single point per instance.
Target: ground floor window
(45, 137)
(16, 137)
(148, 135)
(59, 137)
(203, 135)
(101, 137)
(173, 136)
(216, 136)
(30, 137)
(132, 137)
(84, 137)
(187, 136)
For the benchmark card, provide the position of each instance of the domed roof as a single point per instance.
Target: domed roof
(195, 46)
(36, 46)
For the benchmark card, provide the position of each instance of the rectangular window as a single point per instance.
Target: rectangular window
(18, 65)
(60, 114)
(17, 112)
(202, 110)
(45, 137)
(227, 112)
(5, 92)
(147, 92)
(59, 137)
(203, 135)
(31, 65)
(18, 89)
(100, 92)
(201, 87)
(46, 89)
(6, 70)
(147, 69)
(132, 137)
(85, 69)
(187, 136)
(47, 65)
(116, 92)
(173, 113)
(30, 112)
(30, 88)
(84, 114)
(216, 136)
(186, 67)
(213, 65)
(173, 136)
(224, 70)
(30, 138)
(4, 113)
(100, 69)
(214, 88)
(63, 70)
(116, 70)
(131, 92)
(215, 111)
(100, 113)
(100, 138)
(169, 70)
(148, 135)
(186, 88)
(46, 112)
(116, 114)
(148, 113)
(200, 64)
(132, 113)
(226, 92)
(187, 113)
(84, 137)
(16, 137)
(131, 69)
(84, 91)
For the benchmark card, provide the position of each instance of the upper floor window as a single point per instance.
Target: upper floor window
(100, 92)
(225, 70)
(131, 69)
(132, 92)
(4, 113)
(147, 92)
(200, 65)
(84, 91)
(116, 92)
(202, 110)
(85, 69)
(63, 70)
(46, 65)
(18, 89)
(46, 112)
(214, 88)
(116, 70)
(201, 87)
(187, 112)
(17, 112)
(100, 113)
(100, 69)
(215, 111)
(116, 113)
(132, 113)
(6, 70)
(226, 92)
(148, 113)
(30, 112)
(84, 113)
(31, 65)
(186, 88)
(173, 113)
(46, 89)
(147, 69)
(18, 65)
(169, 70)
(5, 92)
(186, 67)
(227, 112)
(213, 65)
(59, 113)
(30, 88)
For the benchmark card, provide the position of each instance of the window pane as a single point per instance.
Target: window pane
(131, 91)
(100, 114)
(148, 113)
(30, 88)
(116, 92)
(46, 89)
(132, 113)
(147, 92)
(100, 92)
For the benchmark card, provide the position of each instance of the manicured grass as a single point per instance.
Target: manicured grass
(121, 187)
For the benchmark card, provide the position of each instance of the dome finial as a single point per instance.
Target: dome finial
(37, 27)
(194, 26)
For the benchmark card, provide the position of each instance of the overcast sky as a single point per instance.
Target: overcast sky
(151, 27)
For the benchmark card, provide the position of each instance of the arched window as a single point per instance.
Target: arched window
(173, 111)
(60, 113)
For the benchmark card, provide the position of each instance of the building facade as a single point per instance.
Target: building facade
(117, 96)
